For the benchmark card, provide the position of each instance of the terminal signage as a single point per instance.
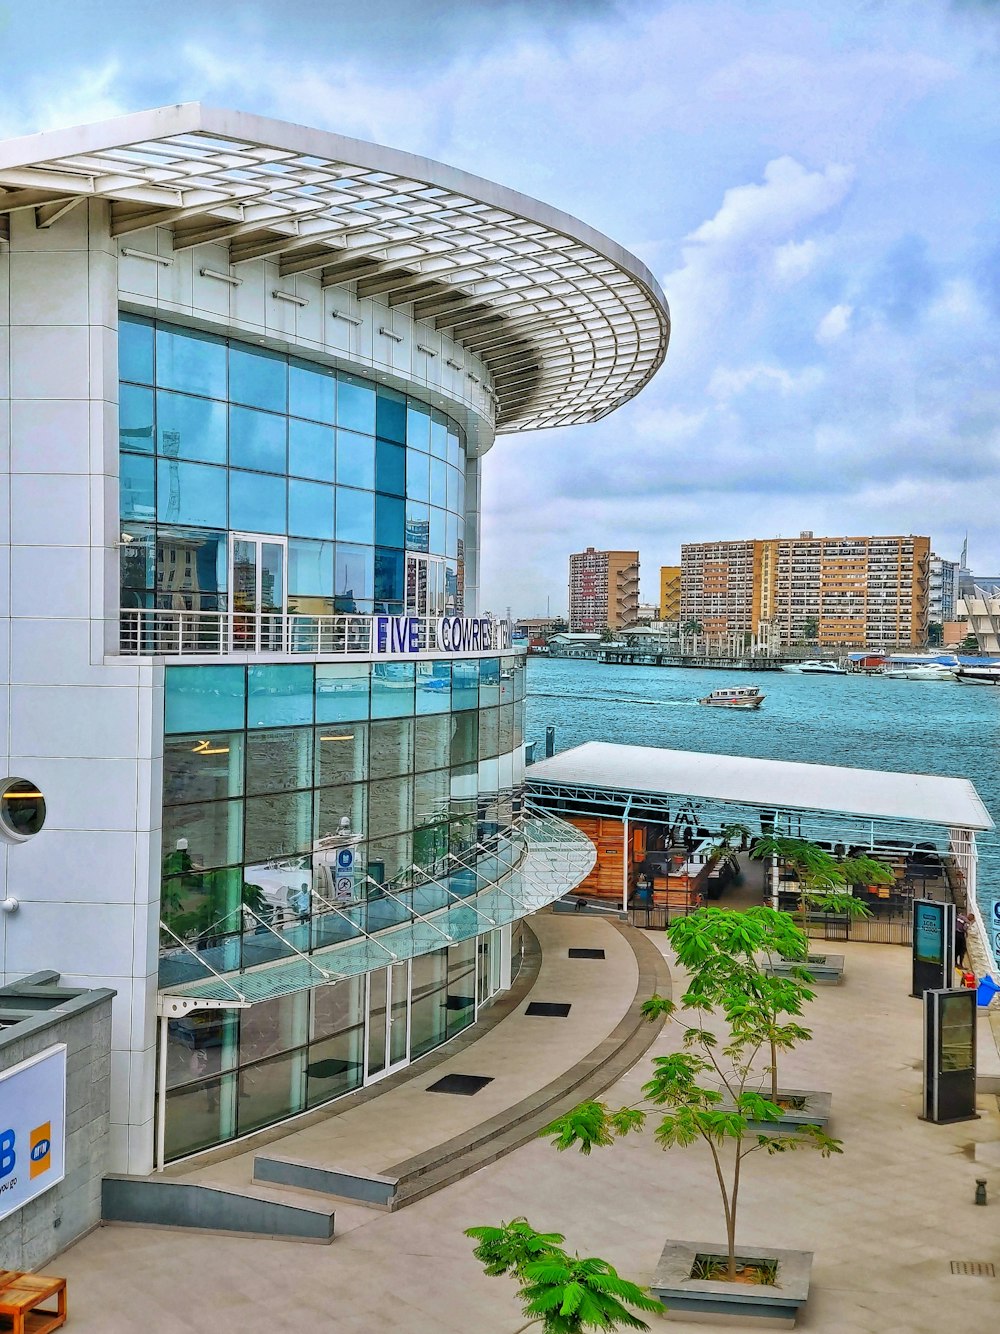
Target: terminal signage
(403, 636)
(933, 944)
(32, 1128)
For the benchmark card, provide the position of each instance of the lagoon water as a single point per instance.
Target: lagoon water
(934, 727)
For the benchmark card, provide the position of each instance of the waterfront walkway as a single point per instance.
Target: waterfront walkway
(885, 1220)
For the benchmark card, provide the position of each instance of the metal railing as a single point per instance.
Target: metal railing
(165, 632)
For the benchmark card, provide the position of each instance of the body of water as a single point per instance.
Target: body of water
(930, 727)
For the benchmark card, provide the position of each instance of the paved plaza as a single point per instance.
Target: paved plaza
(884, 1220)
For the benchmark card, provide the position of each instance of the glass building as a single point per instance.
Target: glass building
(263, 763)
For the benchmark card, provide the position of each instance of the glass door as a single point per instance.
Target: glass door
(258, 589)
(425, 585)
(388, 1028)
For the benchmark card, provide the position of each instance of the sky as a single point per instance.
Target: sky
(814, 185)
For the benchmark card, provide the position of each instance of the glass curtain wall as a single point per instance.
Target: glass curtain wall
(218, 436)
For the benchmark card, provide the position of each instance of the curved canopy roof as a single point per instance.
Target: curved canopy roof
(569, 324)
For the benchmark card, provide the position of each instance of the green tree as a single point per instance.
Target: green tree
(810, 629)
(935, 634)
(724, 852)
(565, 1293)
(824, 881)
(709, 1092)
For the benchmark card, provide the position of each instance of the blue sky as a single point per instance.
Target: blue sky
(815, 186)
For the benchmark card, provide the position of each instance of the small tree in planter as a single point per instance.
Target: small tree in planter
(824, 881)
(710, 1093)
(564, 1293)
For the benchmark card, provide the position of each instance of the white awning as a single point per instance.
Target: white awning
(875, 794)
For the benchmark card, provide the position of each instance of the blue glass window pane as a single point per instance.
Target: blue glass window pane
(355, 516)
(418, 475)
(392, 689)
(310, 450)
(454, 451)
(194, 363)
(389, 521)
(390, 415)
(342, 692)
(135, 419)
(258, 378)
(388, 580)
(354, 578)
(356, 460)
(310, 509)
(191, 493)
(418, 426)
(438, 532)
(278, 695)
(135, 349)
(310, 569)
(356, 404)
(451, 536)
(390, 468)
(190, 428)
(452, 481)
(460, 507)
(439, 482)
(489, 683)
(256, 502)
(418, 526)
(439, 434)
(193, 562)
(256, 440)
(312, 392)
(433, 687)
(136, 487)
(204, 699)
(465, 684)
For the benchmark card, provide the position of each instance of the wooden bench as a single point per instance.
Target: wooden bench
(21, 1295)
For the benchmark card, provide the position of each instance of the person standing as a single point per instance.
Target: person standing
(961, 933)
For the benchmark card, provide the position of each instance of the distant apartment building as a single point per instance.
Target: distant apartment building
(538, 627)
(670, 592)
(942, 589)
(603, 590)
(834, 591)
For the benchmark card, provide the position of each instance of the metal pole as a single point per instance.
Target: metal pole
(625, 863)
(161, 1095)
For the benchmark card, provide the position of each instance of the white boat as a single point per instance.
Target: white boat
(735, 697)
(815, 667)
(919, 671)
(978, 676)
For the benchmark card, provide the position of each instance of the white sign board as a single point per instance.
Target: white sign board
(993, 927)
(32, 1128)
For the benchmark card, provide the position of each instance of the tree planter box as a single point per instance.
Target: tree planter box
(826, 969)
(816, 1112)
(768, 1305)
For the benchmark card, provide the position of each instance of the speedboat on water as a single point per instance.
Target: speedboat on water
(734, 697)
(815, 667)
(919, 671)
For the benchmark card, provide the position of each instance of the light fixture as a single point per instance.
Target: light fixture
(455, 365)
(221, 277)
(348, 736)
(144, 254)
(422, 347)
(396, 338)
(348, 319)
(290, 297)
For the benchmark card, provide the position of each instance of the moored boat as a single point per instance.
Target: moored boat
(815, 667)
(919, 671)
(735, 697)
(978, 676)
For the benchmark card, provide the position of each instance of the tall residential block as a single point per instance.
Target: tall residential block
(835, 591)
(262, 761)
(942, 589)
(670, 592)
(603, 590)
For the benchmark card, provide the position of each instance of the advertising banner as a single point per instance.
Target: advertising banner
(928, 932)
(32, 1128)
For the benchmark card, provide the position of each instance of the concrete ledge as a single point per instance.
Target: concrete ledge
(765, 1305)
(828, 973)
(154, 1202)
(360, 1187)
(589, 909)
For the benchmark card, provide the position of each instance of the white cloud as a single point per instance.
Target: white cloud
(834, 324)
(727, 383)
(795, 260)
(789, 196)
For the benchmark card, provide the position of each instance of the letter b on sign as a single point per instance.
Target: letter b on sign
(7, 1155)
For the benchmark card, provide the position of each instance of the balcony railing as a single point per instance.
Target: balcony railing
(161, 632)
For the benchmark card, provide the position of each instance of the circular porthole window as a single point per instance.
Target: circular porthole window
(22, 809)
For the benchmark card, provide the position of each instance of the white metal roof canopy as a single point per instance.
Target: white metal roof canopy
(868, 794)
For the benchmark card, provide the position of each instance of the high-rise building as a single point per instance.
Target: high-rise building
(603, 590)
(670, 592)
(942, 589)
(834, 591)
(261, 761)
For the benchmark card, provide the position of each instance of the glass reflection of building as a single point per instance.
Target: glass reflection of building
(301, 862)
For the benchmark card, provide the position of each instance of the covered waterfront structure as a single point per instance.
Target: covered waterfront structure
(262, 763)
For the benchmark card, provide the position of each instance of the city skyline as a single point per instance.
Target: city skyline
(812, 189)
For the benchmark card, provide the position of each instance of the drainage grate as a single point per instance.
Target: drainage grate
(549, 1009)
(466, 1085)
(974, 1268)
(586, 954)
